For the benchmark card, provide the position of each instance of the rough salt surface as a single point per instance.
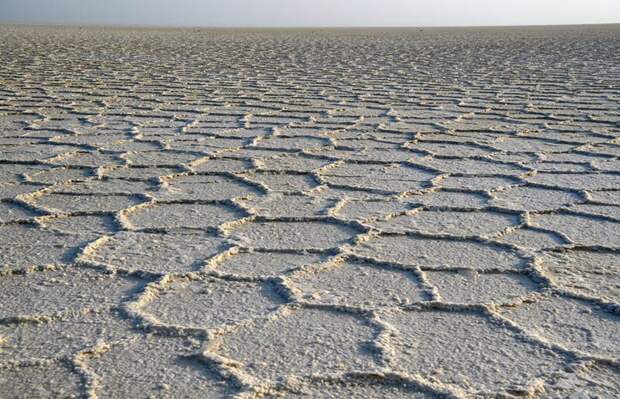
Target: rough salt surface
(280, 213)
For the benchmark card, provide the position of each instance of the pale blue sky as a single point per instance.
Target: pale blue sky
(310, 12)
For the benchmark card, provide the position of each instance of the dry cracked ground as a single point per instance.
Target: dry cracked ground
(263, 214)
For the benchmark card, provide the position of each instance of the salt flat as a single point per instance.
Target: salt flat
(310, 213)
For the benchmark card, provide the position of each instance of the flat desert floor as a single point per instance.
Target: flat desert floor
(395, 213)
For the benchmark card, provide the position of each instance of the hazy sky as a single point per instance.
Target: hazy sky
(310, 12)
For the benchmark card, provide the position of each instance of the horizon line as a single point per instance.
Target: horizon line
(172, 26)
